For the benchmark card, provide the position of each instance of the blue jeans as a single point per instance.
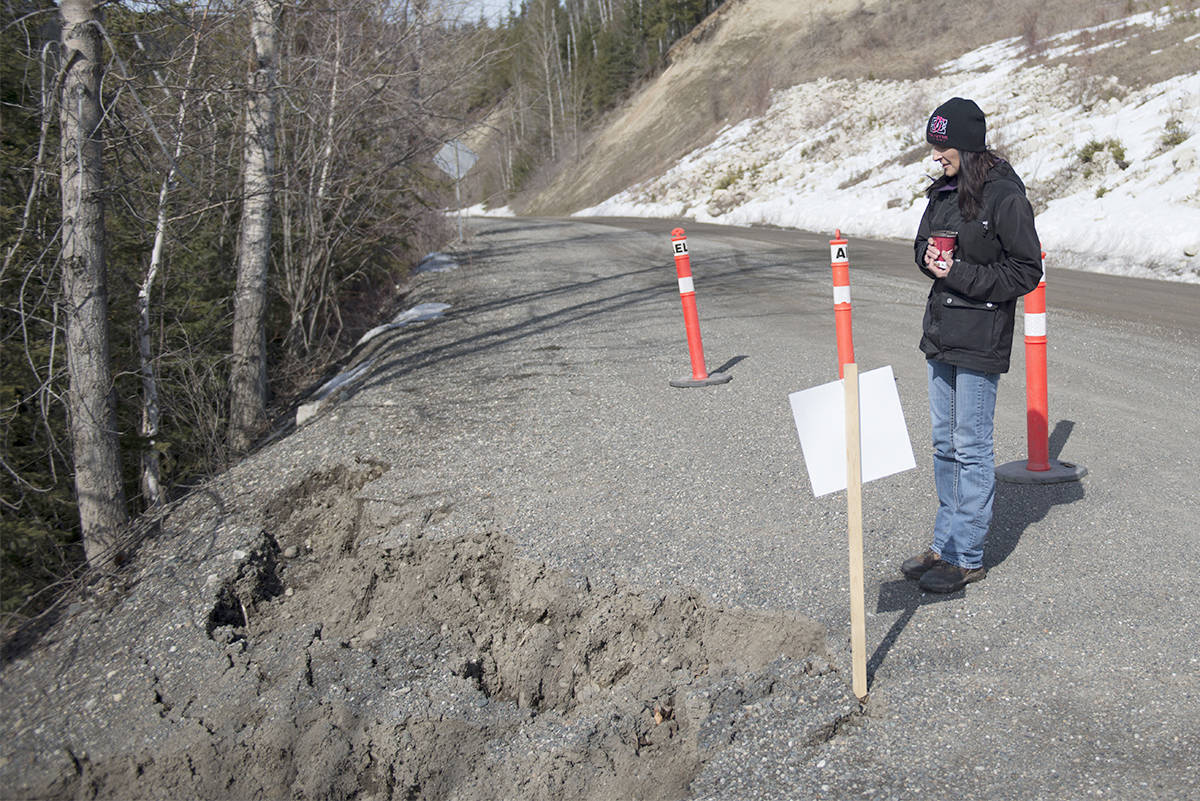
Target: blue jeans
(962, 405)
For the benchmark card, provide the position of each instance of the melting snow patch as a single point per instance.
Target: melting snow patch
(307, 411)
(437, 263)
(417, 314)
(342, 379)
(480, 210)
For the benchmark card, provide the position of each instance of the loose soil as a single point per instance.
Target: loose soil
(335, 654)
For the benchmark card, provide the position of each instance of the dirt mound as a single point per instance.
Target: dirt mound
(340, 656)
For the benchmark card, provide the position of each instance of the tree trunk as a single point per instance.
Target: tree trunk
(90, 403)
(248, 379)
(151, 469)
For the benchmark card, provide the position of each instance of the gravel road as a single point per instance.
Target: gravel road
(1072, 670)
(533, 430)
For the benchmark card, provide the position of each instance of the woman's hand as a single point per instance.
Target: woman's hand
(932, 254)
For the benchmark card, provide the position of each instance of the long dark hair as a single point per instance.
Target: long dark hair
(972, 174)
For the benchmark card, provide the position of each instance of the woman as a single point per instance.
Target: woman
(968, 330)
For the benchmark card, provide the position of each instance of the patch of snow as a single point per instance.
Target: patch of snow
(437, 263)
(307, 410)
(832, 154)
(341, 380)
(481, 210)
(419, 313)
(319, 399)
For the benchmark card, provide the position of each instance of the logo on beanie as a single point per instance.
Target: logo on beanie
(937, 127)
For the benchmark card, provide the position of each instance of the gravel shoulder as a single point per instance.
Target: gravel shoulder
(511, 561)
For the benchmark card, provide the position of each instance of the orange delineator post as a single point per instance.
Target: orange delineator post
(1037, 394)
(840, 262)
(1039, 467)
(687, 296)
(691, 318)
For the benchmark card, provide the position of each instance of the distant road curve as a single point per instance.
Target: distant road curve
(1171, 305)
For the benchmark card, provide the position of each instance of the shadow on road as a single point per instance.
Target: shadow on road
(727, 366)
(906, 597)
(1017, 507)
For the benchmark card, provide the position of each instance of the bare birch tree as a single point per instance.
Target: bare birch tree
(544, 47)
(248, 377)
(90, 402)
(151, 473)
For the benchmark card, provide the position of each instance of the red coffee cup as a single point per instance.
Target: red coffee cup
(945, 242)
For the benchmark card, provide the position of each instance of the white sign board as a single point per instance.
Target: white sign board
(820, 415)
(455, 159)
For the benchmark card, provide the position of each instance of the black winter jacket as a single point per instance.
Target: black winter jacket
(969, 313)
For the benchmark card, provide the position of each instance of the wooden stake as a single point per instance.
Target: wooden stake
(858, 628)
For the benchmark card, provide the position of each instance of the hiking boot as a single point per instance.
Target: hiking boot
(915, 568)
(945, 577)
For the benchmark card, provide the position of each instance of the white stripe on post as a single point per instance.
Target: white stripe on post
(1035, 325)
(841, 294)
(686, 285)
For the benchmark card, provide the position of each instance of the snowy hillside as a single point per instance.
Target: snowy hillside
(1113, 173)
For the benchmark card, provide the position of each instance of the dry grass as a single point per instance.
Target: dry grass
(1149, 57)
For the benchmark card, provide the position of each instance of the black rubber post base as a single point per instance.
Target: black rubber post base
(713, 378)
(1059, 472)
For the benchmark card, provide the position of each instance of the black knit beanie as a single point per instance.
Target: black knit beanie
(957, 123)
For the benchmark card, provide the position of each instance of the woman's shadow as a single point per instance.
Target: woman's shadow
(1017, 506)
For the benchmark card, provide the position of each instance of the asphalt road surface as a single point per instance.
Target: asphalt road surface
(1168, 304)
(1072, 671)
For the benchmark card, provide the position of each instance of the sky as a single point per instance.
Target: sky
(825, 156)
